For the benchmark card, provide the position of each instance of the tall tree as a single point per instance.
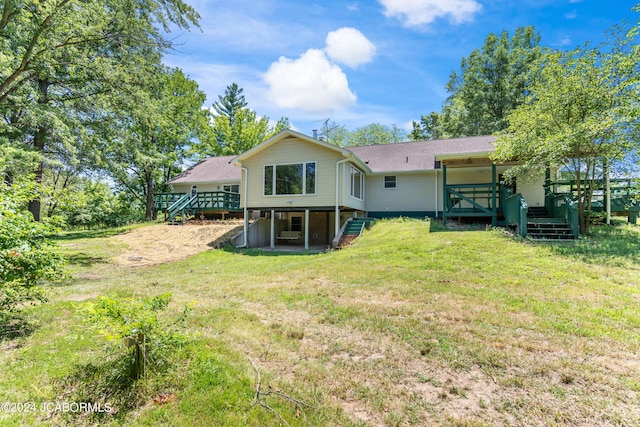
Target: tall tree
(490, 83)
(235, 128)
(147, 140)
(583, 111)
(232, 102)
(58, 55)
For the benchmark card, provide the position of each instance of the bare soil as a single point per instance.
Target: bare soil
(162, 243)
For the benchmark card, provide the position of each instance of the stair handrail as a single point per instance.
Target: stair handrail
(515, 212)
(177, 207)
(180, 200)
(570, 208)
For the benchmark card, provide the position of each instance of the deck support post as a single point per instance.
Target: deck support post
(272, 239)
(445, 195)
(494, 188)
(607, 190)
(306, 229)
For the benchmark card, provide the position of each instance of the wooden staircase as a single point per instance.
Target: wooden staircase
(540, 226)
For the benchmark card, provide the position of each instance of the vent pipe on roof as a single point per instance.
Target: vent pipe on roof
(315, 134)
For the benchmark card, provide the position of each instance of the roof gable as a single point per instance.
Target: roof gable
(285, 134)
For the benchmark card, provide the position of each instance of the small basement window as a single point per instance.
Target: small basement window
(390, 181)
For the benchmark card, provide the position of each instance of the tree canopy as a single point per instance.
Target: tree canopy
(235, 128)
(583, 115)
(59, 57)
(491, 82)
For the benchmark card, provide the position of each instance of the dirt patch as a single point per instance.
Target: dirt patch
(158, 244)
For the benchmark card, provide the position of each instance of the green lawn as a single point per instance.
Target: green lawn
(405, 327)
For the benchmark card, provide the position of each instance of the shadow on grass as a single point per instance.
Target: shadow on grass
(89, 234)
(16, 326)
(617, 245)
(85, 260)
(268, 252)
(107, 383)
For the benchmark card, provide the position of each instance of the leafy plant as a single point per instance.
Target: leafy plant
(26, 258)
(144, 338)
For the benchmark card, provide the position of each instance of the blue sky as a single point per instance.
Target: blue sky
(358, 62)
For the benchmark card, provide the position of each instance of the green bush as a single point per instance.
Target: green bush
(26, 256)
(139, 335)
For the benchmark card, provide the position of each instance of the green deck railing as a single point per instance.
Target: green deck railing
(174, 204)
(162, 201)
(563, 206)
(515, 210)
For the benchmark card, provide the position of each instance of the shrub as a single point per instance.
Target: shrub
(139, 334)
(26, 256)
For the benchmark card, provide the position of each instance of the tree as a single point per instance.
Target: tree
(236, 128)
(428, 128)
(375, 134)
(490, 83)
(60, 55)
(146, 141)
(229, 104)
(583, 111)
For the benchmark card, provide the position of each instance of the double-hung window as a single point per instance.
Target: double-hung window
(290, 179)
(357, 183)
(390, 181)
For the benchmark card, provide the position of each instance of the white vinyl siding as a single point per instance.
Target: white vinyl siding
(203, 186)
(390, 182)
(293, 151)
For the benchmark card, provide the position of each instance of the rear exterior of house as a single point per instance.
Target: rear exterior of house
(298, 190)
(301, 189)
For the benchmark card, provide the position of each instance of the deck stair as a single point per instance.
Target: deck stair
(353, 229)
(540, 226)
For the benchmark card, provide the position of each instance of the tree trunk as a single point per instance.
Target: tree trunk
(150, 213)
(38, 144)
(39, 139)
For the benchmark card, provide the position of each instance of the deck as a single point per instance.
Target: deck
(182, 205)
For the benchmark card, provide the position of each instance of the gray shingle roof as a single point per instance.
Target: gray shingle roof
(400, 157)
(419, 155)
(210, 169)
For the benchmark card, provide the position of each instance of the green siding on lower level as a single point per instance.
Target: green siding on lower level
(406, 214)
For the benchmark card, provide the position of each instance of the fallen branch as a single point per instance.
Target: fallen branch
(257, 398)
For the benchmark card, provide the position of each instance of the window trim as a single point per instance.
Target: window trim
(352, 176)
(395, 182)
(304, 179)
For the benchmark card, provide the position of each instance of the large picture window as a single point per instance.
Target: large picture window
(357, 184)
(296, 178)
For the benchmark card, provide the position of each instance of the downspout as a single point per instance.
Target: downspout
(337, 221)
(246, 211)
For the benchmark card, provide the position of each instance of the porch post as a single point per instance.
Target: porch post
(306, 229)
(272, 240)
(494, 207)
(445, 205)
(607, 190)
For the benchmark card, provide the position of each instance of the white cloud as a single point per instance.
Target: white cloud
(415, 13)
(571, 15)
(350, 47)
(310, 83)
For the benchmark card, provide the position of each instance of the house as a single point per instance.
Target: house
(301, 190)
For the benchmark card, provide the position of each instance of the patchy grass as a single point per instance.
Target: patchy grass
(464, 328)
